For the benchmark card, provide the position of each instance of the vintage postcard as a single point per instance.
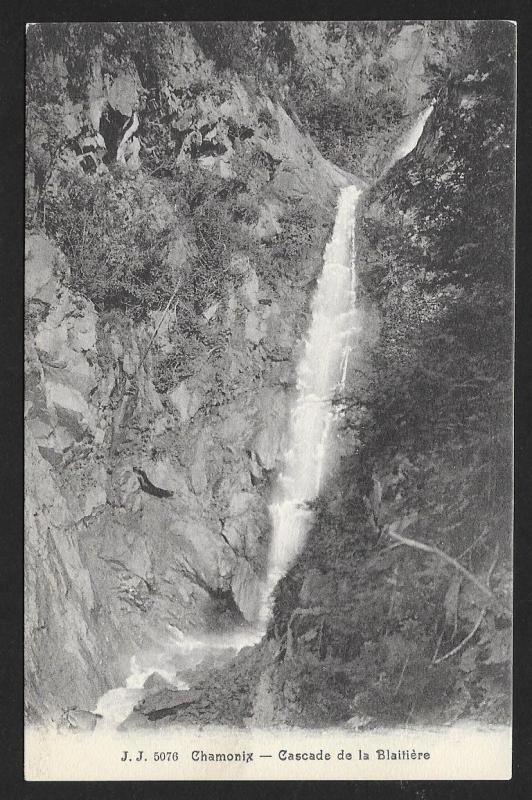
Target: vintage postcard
(269, 296)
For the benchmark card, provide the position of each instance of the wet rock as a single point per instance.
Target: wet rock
(78, 720)
(166, 702)
(156, 682)
(135, 721)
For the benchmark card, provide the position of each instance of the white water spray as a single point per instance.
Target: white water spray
(410, 139)
(321, 371)
(182, 652)
(321, 374)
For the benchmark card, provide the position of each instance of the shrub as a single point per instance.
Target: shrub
(116, 250)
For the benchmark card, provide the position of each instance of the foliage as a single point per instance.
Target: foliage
(288, 255)
(114, 243)
(443, 279)
(258, 49)
(412, 637)
(341, 122)
(148, 45)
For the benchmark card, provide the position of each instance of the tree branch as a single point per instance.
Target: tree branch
(476, 625)
(464, 641)
(163, 316)
(426, 548)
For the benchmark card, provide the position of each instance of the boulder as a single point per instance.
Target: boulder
(249, 289)
(134, 721)
(40, 428)
(198, 470)
(61, 439)
(156, 683)
(166, 702)
(148, 397)
(268, 224)
(79, 720)
(51, 341)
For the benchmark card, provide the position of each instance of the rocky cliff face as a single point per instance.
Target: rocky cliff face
(178, 213)
(398, 610)
(111, 568)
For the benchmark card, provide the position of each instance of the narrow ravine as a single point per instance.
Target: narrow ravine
(321, 376)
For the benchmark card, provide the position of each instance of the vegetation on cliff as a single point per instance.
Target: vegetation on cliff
(411, 549)
(397, 610)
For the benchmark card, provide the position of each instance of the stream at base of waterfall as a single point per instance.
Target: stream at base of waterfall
(321, 379)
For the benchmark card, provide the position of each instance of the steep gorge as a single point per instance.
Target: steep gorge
(220, 211)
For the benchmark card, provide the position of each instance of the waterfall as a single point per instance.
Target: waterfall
(321, 374)
(411, 137)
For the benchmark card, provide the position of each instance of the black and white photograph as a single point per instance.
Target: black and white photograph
(268, 411)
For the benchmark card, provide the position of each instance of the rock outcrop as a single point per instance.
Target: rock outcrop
(112, 568)
(161, 346)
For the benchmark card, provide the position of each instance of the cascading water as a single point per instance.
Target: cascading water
(322, 371)
(411, 137)
(321, 375)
